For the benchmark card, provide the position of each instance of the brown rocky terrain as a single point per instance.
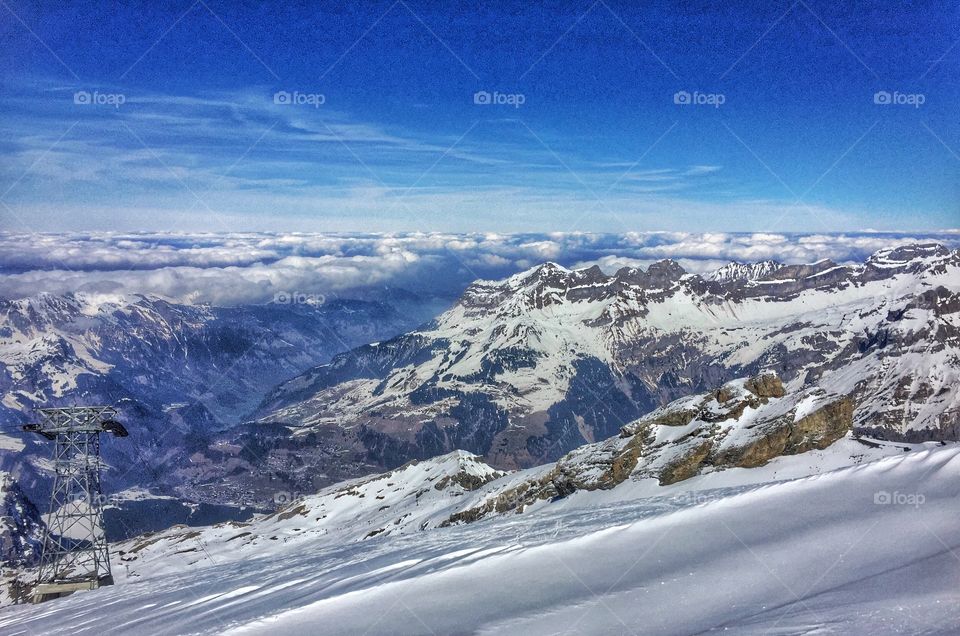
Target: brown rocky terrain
(743, 424)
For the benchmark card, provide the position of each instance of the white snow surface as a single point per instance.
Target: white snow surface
(803, 545)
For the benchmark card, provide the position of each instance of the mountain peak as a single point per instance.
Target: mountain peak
(736, 270)
(542, 272)
(666, 270)
(547, 269)
(904, 254)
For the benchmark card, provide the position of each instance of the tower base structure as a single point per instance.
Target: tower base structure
(49, 591)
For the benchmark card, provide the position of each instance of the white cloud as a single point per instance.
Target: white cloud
(252, 267)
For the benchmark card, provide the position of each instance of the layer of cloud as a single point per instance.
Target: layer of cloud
(243, 268)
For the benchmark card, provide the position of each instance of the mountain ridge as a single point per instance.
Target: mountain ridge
(532, 366)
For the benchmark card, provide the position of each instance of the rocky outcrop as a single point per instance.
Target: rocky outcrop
(686, 465)
(766, 385)
(742, 424)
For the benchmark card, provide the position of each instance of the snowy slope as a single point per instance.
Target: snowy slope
(745, 423)
(847, 565)
(403, 501)
(821, 554)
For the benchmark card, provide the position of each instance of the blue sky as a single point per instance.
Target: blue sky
(187, 134)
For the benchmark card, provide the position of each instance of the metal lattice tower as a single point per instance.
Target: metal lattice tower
(75, 554)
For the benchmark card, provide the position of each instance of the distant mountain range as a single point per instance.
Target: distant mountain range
(744, 271)
(526, 369)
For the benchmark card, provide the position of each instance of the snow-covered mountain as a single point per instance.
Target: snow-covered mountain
(178, 373)
(744, 271)
(519, 371)
(163, 352)
(525, 369)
